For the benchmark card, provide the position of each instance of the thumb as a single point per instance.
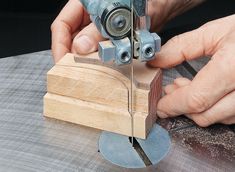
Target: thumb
(187, 46)
(86, 41)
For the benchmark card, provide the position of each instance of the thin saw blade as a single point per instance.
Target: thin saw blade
(139, 21)
(131, 95)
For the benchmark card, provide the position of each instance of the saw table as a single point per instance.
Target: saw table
(31, 142)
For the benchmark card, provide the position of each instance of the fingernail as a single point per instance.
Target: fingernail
(85, 44)
(162, 114)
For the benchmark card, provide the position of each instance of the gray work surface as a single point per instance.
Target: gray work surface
(31, 142)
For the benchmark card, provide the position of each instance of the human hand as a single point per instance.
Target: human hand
(210, 97)
(72, 30)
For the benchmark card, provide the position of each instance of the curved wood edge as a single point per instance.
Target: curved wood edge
(143, 74)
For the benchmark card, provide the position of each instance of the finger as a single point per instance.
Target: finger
(229, 121)
(170, 88)
(70, 18)
(205, 90)
(180, 82)
(222, 112)
(87, 40)
(188, 46)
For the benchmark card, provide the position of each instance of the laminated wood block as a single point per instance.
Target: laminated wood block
(82, 90)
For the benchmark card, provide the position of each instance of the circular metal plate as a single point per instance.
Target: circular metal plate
(119, 150)
(111, 25)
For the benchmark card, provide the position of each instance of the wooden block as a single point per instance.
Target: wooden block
(84, 91)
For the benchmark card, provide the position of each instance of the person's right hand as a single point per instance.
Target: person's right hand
(72, 30)
(209, 97)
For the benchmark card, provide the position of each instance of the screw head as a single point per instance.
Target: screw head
(119, 22)
(148, 51)
(125, 57)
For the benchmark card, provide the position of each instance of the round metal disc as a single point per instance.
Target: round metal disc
(124, 27)
(118, 149)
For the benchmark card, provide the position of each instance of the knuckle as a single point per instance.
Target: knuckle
(228, 121)
(206, 25)
(229, 63)
(211, 24)
(202, 121)
(58, 24)
(225, 65)
(53, 25)
(197, 103)
(175, 39)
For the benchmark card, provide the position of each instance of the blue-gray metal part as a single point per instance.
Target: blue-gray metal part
(157, 145)
(157, 41)
(113, 19)
(123, 51)
(140, 7)
(114, 9)
(106, 50)
(118, 149)
(148, 44)
(97, 7)
(119, 50)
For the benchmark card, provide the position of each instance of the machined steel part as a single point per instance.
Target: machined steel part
(111, 17)
(146, 44)
(119, 150)
(140, 7)
(113, 20)
(116, 21)
(119, 50)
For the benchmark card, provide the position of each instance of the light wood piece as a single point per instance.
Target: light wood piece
(84, 91)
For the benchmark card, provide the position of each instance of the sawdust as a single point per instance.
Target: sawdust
(177, 123)
(216, 142)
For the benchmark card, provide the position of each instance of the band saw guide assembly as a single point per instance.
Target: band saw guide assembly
(113, 89)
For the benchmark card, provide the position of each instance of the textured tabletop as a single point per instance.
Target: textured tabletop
(31, 142)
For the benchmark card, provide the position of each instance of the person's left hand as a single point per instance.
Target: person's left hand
(210, 97)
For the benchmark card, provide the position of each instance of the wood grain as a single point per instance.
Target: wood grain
(82, 88)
